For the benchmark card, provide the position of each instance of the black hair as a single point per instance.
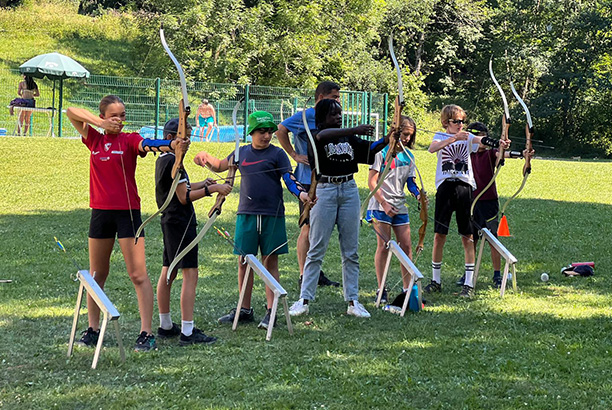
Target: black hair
(478, 126)
(30, 83)
(108, 100)
(410, 121)
(323, 109)
(325, 88)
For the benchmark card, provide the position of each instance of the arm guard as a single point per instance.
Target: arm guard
(292, 184)
(488, 141)
(151, 145)
(412, 187)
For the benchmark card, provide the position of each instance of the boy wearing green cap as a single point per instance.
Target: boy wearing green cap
(260, 222)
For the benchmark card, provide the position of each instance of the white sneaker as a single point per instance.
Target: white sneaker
(357, 309)
(298, 308)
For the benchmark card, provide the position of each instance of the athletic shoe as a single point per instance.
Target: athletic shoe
(325, 281)
(298, 308)
(357, 310)
(497, 281)
(467, 292)
(88, 338)
(145, 343)
(433, 287)
(246, 315)
(461, 280)
(167, 333)
(384, 298)
(265, 322)
(196, 337)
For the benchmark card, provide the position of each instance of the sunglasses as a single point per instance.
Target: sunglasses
(456, 121)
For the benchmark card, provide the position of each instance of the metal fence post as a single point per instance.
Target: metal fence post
(246, 111)
(386, 104)
(157, 96)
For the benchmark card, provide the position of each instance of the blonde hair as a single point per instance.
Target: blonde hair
(451, 111)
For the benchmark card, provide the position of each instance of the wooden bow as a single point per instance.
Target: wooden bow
(179, 151)
(499, 162)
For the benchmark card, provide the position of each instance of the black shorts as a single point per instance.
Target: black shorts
(175, 240)
(301, 204)
(453, 196)
(108, 223)
(485, 215)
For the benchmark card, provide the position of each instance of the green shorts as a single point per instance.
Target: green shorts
(263, 232)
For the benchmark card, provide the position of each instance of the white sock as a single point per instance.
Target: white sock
(469, 275)
(187, 327)
(165, 321)
(436, 268)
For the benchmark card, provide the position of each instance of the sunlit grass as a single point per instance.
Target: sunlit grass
(547, 345)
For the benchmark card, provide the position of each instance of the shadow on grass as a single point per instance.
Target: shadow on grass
(546, 346)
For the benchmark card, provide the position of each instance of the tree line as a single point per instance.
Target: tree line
(557, 53)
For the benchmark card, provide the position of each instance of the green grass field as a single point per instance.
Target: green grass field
(546, 346)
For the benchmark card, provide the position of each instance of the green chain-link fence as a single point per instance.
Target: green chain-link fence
(152, 101)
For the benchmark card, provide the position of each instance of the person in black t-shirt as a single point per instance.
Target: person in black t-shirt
(339, 151)
(178, 223)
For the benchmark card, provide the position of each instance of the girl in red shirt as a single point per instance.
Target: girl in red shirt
(116, 207)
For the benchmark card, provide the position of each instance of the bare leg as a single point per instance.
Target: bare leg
(134, 256)
(271, 264)
(402, 233)
(438, 247)
(468, 249)
(188, 293)
(163, 290)
(99, 262)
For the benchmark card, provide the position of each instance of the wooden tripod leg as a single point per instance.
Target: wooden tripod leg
(119, 341)
(75, 320)
(504, 279)
(287, 316)
(272, 317)
(408, 293)
(514, 277)
(478, 261)
(100, 340)
(384, 278)
(241, 297)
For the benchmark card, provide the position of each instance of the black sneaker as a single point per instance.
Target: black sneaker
(265, 322)
(384, 298)
(325, 281)
(88, 338)
(145, 343)
(167, 333)
(433, 287)
(461, 280)
(197, 336)
(497, 280)
(467, 292)
(246, 315)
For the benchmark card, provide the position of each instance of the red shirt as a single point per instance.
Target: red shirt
(112, 166)
(483, 165)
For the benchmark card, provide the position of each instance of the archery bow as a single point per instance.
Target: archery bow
(316, 172)
(499, 162)
(394, 136)
(216, 208)
(179, 151)
(529, 131)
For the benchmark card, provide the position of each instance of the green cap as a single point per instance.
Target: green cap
(261, 119)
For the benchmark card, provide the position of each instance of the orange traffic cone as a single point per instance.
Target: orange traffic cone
(502, 229)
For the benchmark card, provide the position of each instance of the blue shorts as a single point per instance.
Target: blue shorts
(381, 216)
